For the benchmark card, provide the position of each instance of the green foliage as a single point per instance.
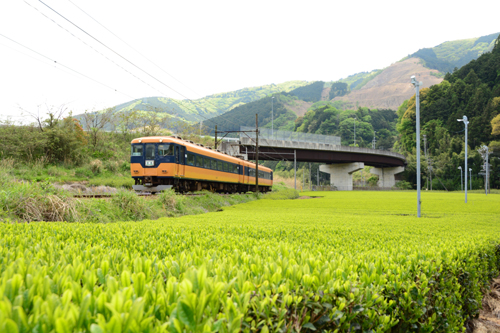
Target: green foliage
(263, 266)
(309, 93)
(474, 91)
(455, 54)
(206, 107)
(325, 119)
(338, 89)
(244, 115)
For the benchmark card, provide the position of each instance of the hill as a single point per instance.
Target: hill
(389, 87)
(206, 107)
(473, 91)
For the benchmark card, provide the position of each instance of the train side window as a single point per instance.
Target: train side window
(235, 168)
(136, 150)
(206, 162)
(199, 161)
(219, 165)
(224, 166)
(165, 150)
(150, 151)
(190, 159)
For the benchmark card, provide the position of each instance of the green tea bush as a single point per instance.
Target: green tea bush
(345, 262)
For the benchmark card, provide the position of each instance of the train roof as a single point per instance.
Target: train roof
(198, 148)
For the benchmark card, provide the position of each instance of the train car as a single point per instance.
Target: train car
(158, 163)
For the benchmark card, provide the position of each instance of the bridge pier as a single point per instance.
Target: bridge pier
(386, 176)
(341, 174)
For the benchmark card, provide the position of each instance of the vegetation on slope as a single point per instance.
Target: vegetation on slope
(474, 91)
(206, 107)
(454, 54)
(325, 119)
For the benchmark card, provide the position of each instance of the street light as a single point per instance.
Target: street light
(466, 122)
(470, 181)
(272, 118)
(417, 84)
(461, 180)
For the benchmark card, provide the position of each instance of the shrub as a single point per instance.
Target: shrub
(83, 173)
(403, 185)
(131, 206)
(96, 166)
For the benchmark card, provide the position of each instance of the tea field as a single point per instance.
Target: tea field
(343, 262)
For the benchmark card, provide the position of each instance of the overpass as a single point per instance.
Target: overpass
(340, 161)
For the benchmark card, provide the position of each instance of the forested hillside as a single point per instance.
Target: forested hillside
(244, 115)
(206, 107)
(325, 119)
(474, 91)
(449, 55)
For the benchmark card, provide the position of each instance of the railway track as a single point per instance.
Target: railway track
(101, 196)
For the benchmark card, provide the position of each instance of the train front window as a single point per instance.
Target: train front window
(165, 150)
(150, 151)
(136, 150)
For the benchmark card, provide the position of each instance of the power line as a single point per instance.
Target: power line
(215, 107)
(157, 66)
(85, 32)
(92, 47)
(111, 51)
(60, 64)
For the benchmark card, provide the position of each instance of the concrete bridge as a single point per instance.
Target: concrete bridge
(340, 161)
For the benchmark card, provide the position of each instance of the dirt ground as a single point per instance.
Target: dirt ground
(489, 316)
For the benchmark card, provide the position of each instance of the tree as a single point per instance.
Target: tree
(95, 123)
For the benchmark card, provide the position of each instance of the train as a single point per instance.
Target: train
(158, 163)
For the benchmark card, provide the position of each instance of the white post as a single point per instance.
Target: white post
(417, 85)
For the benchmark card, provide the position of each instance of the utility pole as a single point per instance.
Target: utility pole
(272, 118)
(201, 124)
(215, 137)
(374, 140)
(425, 152)
(257, 155)
(295, 168)
(309, 176)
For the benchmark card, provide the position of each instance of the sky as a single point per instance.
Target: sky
(83, 55)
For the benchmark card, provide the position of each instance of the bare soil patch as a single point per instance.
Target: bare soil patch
(391, 87)
(489, 316)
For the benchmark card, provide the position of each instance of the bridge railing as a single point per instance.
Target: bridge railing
(267, 133)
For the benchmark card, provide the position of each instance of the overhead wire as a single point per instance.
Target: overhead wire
(92, 47)
(85, 32)
(62, 65)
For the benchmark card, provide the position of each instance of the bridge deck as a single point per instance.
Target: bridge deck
(320, 153)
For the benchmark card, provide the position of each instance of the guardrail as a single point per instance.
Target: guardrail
(267, 133)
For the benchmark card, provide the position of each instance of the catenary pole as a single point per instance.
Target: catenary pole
(417, 85)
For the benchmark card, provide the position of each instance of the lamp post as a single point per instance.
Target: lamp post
(470, 180)
(417, 84)
(272, 118)
(466, 122)
(461, 181)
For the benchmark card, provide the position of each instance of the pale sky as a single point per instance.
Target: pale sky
(208, 46)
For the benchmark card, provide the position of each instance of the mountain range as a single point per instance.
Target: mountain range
(383, 88)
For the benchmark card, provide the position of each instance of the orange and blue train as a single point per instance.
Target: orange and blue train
(162, 162)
